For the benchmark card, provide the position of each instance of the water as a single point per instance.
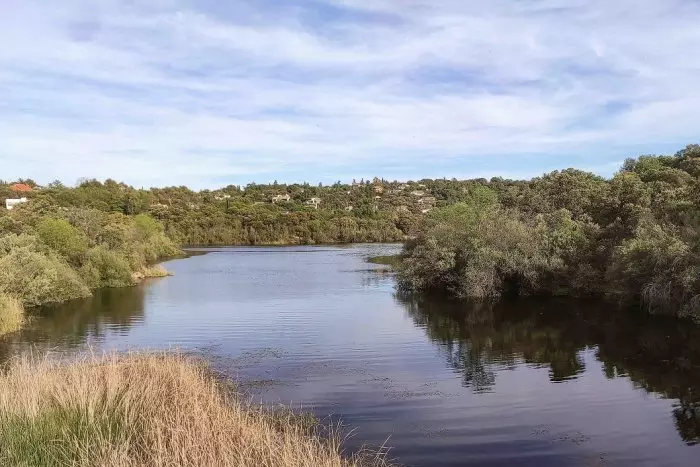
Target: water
(529, 383)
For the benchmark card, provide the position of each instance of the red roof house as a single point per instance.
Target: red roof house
(21, 188)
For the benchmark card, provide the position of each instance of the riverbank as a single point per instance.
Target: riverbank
(282, 244)
(51, 254)
(149, 410)
(633, 240)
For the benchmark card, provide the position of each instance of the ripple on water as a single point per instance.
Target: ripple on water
(537, 384)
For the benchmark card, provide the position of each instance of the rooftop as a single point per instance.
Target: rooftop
(21, 187)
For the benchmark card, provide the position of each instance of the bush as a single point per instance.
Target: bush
(65, 239)
(658, 269)
(489, 251)
(36, 276)
(112, 269)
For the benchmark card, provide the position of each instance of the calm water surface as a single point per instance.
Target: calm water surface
(545, 383)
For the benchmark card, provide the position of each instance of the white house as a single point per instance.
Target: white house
(313, 202)
(278, 198)
(12, 202)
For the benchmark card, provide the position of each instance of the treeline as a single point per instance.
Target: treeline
(633, 238)
(363, 212)
(50, 253)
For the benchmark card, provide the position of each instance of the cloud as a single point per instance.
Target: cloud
(206, 92)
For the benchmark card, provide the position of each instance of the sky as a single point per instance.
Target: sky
(207, 93)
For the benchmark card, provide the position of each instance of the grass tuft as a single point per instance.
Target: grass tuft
(11, 314)
(156, 270)
(149, 410)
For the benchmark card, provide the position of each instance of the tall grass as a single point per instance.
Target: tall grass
(156, 270)
(11, 314)
(147, 410)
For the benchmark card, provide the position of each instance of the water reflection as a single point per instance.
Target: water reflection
(75, 324)
(657, 354)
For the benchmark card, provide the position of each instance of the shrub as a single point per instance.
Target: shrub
(147, 226)
(112, 269)
(156, 270)
(11, 313)
(36, 276)
(659, 269)
(65, 239)
(489, 251)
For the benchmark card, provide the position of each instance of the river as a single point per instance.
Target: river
(526, 383)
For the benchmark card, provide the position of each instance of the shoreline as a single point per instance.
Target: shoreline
(153, 409)
(283, 244)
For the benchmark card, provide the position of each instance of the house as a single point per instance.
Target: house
(21, 188)
(10, 203)
(221, 197)
(313, 202)
(417, 193)
(278, 198)
(428, 200)
(378, 189)
(349, 208)
(377, 197)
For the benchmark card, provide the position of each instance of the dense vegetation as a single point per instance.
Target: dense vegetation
(51, 253)
(633, 238)
(364, 212)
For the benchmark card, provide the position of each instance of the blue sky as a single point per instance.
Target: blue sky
(210, 92)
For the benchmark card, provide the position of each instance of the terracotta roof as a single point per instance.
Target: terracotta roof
(20, 187)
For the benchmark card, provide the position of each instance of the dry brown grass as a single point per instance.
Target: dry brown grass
(156, 270)
(147, 410)
(11, 314)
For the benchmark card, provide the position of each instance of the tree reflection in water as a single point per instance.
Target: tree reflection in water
(656, 353)
(74, 324)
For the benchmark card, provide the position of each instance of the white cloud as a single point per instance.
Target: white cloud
(172, 91)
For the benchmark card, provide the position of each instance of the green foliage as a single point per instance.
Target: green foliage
(35, 275)
(634, 238)
(106, 268)
(62, 237)
(52, 254)
(488, 253)
(662, 266)
(59, 436)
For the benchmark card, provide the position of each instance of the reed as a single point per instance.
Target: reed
(121, 410)
(11, 314)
